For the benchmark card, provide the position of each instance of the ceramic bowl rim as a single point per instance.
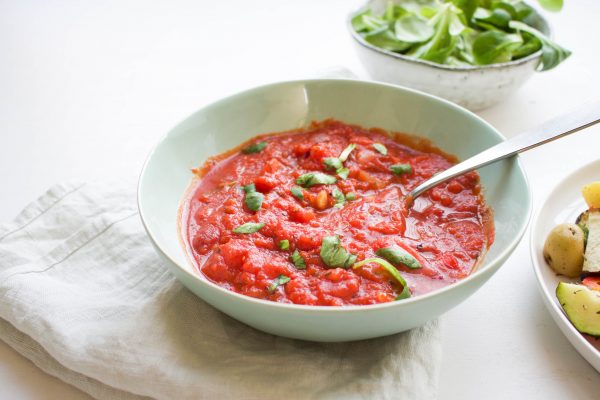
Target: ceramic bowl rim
(487, 265)
(505, 65)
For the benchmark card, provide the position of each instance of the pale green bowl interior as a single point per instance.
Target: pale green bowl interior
(283, 106)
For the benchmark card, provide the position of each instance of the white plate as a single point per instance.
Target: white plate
(563, 204)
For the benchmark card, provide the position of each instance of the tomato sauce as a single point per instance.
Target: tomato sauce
(448, 229)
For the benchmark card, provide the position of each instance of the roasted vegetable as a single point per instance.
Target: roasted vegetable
(591, 194)
(591, 258)
(563, 249)
(581, 305)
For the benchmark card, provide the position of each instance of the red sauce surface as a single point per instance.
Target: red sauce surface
(448, 229)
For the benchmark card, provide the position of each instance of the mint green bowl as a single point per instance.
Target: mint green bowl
(283, 106)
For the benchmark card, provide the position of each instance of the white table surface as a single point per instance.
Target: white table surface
(86, 89)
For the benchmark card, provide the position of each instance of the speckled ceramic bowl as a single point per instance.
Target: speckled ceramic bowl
(289, 105)
(475, 88)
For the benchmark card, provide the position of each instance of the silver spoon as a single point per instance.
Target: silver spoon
(576, 120)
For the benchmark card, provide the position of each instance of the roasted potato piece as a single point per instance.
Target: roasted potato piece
(563, 249)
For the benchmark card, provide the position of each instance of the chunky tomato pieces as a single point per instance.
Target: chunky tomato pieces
(250, 252)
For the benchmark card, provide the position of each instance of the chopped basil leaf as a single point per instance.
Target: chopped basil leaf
(334, 255)
(351, 196)
(343, 173)
(315, 178)
(333, 163)
(297, 192)
(397, 255)
(380, 148)
(249, 188)
(253, 198)
(344, 156)
(284, 244)
(399, 169)
(392, 271)
(339, 197)
(297, 260)
(249, 227)
(280, 280)
(254, 148)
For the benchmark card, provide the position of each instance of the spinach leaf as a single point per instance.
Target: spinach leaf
(297, 260)
(391, 270)
(279, 281)
(552, 53)
(249, 227)
(254, 148)
(551, 5)
(497, 17)
(385, 39)
(380, 148)
(253, 198)
(412, 29)
(315, 178)
(397, 255)
(495, 47)
(399, 169)
(334, 255)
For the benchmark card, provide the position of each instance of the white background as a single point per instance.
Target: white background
(87, 88)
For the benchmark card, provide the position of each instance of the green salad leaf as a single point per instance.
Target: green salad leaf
(462, 33)
(334, 255)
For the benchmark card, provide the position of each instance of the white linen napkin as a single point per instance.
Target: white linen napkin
(84, 296)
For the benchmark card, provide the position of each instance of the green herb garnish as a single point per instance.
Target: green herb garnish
(351, 196)
(284, 244)
(333, 163)
(339, 197)
(279, 281)
(297, 260)
(343, 173)
(399, 169)
(392, 271)
(334, 255)
(315, 178)
(462, 33)
(253, 199)
(344, 155)
(397, 256)
(297, 192)
(380, 148)
(249, 227)
(254, 148)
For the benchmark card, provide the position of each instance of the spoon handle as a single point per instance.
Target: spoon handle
(581, 118)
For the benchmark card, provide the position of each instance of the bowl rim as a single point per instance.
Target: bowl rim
(361, 41)
(346, 308)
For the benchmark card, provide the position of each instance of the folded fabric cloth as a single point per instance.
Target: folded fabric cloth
(84, 296)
